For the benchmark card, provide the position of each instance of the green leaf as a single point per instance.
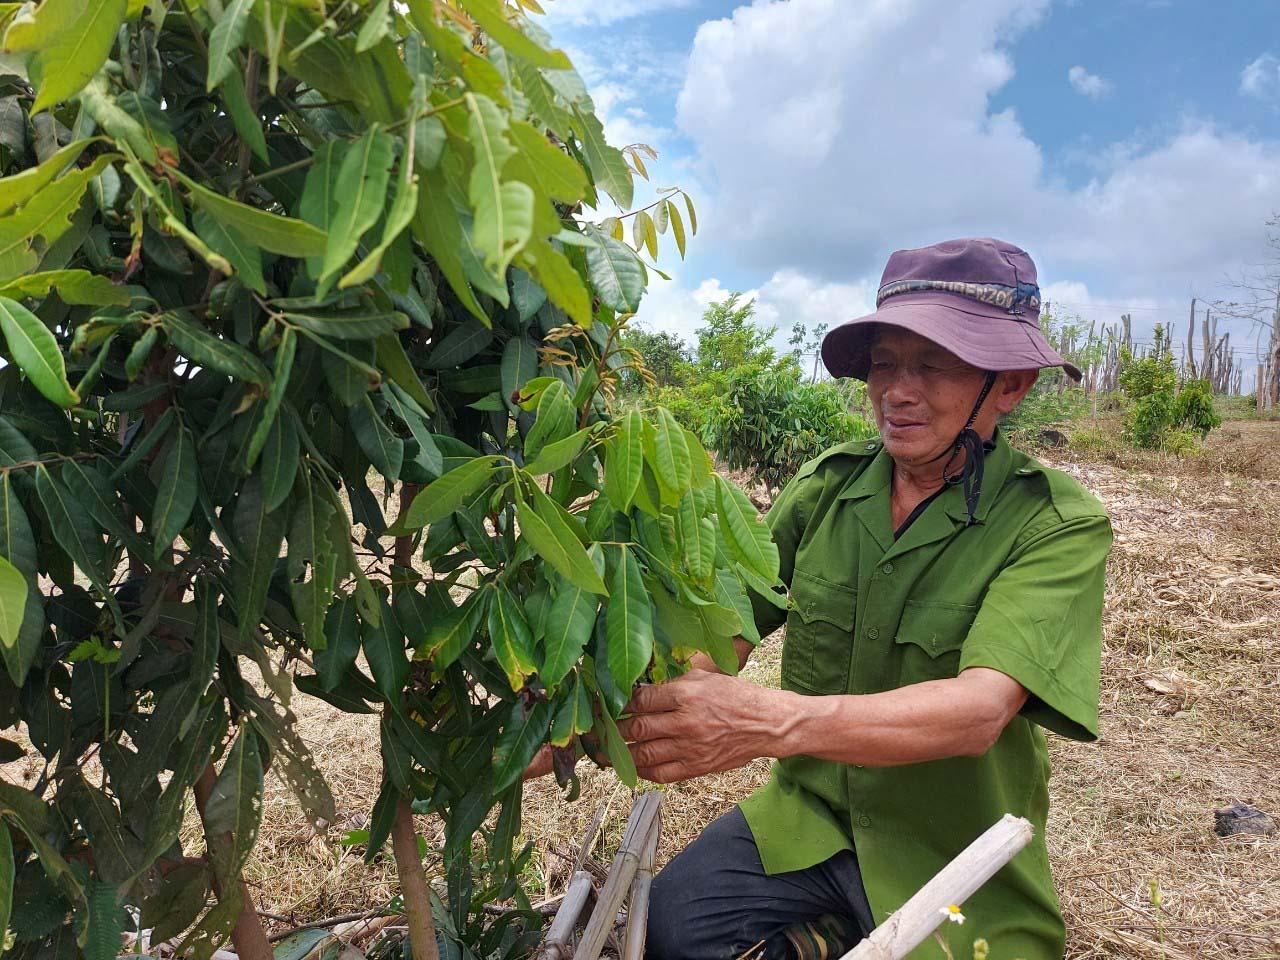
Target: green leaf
(698, 540)
(47, 215)
(616, 275)
(226, 356)
(17, 545)
(668, 454)
(693, 216)
(384, 649)
(279, 462)
(35, 350)
(565, 554)
(270, 231)
(541, 164)
(519, 366)
(439, 229)
(396, 363)
(511, 638)
(225, 38)
(569, 624)
(559, 454)
(361, 195)
(608, 166)
(258, 533)
(13, 603)
(459, 345)
(73, 286)
(234, 806)
(562, 282)
(573, 715)
(69, 40)
(628, 622)
(101, 105)
(448, 494)
(403, 209)
(624, 461)
(556, 419)
(615, 748)
(285, 353)
(677, 227)
(319, 199)
(377, 25)
(72, 528)
(519, 740)
(230, 243)
(342, 633)
(106, 922)
(350, 324)
(176, 496)
(383, 448)
(452, 632)
(22, 186)
(746, 536)
(243, 117)
(503, 210)
(312, 563)
(491, 16)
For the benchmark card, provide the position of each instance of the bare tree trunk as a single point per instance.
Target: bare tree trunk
(248, 937)
(1191, 342)
(413, 884)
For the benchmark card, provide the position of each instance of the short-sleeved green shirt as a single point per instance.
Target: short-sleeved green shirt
(1019, 592)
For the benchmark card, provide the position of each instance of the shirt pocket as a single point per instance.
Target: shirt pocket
(929, 638)
(815, 656)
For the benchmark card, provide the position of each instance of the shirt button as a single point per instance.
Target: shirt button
(873, 633)
(864, 821)
(887, 568)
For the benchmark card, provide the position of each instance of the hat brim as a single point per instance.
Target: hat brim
(984, 337)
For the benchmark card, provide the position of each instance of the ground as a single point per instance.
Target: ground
(1190, 722)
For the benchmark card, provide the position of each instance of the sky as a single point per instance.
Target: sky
(1131, 146)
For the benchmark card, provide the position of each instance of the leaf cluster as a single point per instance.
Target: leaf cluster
(268, 271)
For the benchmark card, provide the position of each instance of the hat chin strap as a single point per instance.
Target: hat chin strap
(975, 454)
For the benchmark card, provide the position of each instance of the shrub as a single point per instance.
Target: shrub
(771, 421)
(264, 273)
(1194, 408)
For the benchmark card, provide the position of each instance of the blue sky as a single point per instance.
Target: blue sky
(1132, 146)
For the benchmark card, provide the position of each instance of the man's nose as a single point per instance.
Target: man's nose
(902, 388)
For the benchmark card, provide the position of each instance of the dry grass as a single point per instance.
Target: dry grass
(1193, 600)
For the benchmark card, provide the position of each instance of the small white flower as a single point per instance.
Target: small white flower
(952, 913)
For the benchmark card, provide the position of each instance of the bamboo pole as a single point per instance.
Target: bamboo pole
(640, 824)
(954, 884)
(555, 944)
(638, 904)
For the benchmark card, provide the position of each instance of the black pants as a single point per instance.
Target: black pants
(714, 901)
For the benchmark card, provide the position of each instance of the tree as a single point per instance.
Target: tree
(730, 338)
(265, 273)
(661, 353)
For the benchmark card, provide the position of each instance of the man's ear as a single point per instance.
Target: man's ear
(1011, 387)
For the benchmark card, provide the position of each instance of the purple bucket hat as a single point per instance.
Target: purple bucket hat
(976, 297)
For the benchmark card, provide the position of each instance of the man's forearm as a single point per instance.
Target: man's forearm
(925, 721)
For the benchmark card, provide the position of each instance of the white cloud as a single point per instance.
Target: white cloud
(1261, 78)
(1088, 84)
(830, 148)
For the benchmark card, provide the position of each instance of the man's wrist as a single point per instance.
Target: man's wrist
(804, 723)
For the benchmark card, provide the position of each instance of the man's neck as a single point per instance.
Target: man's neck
(915, 483)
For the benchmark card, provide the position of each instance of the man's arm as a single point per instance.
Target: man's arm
(701, 661)
(704, 723)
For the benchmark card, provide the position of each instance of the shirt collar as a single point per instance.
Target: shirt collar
(880, 471)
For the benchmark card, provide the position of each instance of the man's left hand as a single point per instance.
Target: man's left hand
(701, 723)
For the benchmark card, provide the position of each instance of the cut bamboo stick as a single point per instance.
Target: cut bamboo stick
(556, 943)
(638, 903)
(640, 824)
(954, 884)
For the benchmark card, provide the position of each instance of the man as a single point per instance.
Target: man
(947, 599)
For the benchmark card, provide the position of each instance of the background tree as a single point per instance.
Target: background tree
(309, 349)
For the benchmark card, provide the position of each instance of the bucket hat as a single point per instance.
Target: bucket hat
(976, 297)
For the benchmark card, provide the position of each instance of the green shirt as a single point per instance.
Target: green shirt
(1020, 592)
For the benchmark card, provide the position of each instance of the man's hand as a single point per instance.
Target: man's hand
(701, 723)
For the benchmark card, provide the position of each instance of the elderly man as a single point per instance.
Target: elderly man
(947, 600)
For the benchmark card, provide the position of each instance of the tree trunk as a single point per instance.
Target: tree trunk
(248, 937)
(413, 884)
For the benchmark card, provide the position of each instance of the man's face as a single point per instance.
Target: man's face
(922, 395)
